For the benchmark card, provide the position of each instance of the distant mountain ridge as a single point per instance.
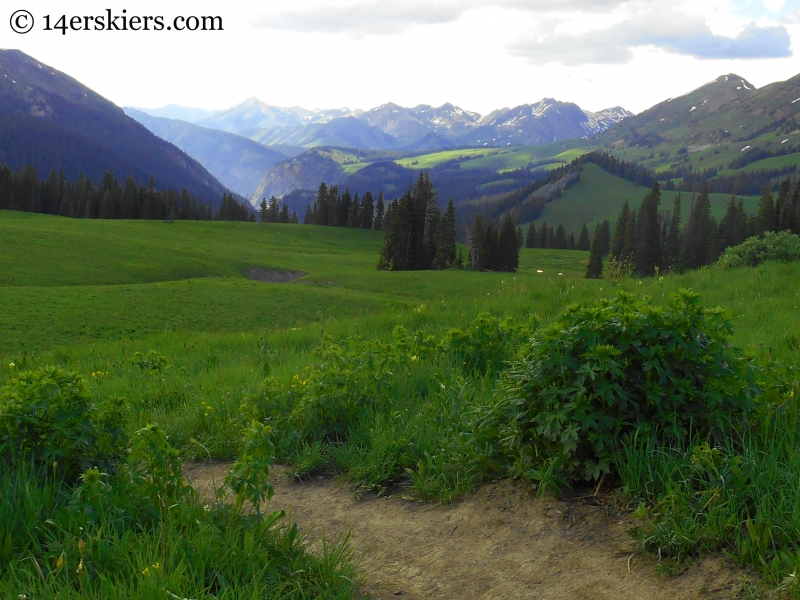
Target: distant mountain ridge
(51, 121)
(391, 126)
(238, 162)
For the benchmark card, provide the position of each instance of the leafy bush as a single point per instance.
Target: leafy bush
(609, 368)
(782, 246)
(48, 414)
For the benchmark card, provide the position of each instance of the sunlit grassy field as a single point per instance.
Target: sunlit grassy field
(162, 316)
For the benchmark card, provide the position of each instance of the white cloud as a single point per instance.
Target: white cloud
(673, 32)
(394, 17)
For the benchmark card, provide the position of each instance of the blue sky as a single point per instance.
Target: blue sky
(478, 55)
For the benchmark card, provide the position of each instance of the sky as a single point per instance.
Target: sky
(479, 55)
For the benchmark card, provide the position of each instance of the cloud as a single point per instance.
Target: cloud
(395, 16)
(673, 32)
(363, 19)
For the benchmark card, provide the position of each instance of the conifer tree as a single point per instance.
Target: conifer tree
(478, 246)
(695, 251)
(583, 239)
(520, 238)
(631, 238)
(672, 242)
(354, 216)
(766, 212)
(620, 232)
(571, 241)
(367, 211)
(343, 208)
(544, 236)
(263, 211)
(284, 216)
(308, 219)
(532, 239)
(605, 239)
(507, 258)
(594, 270)
(648, 250)
(379, 216)
(560, 238)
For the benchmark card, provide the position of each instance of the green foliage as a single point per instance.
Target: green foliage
(782, 246)
(248, 477)
(154, 467)
(487, 344)
(609, 368)
(48, 415)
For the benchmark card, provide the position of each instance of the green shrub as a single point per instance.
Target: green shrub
(782, 246)
(603, 370)
(487, 344)
(49, 415)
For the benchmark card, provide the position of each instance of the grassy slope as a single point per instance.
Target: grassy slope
(600, 195)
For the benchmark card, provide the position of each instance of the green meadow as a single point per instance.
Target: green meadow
(386, 378)
(599, 195)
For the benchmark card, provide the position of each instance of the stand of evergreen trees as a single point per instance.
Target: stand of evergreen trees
(272, 212)
(24, 191)
(547, 237)
(649, 241)
(343, 210)
(418, 235)
(491, 249)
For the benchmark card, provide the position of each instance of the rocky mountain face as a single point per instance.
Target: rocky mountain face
(729, 107)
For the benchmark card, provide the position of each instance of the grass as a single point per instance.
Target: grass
(600, 195)
(112, 299)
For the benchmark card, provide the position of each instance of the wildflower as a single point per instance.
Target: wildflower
(539, 271)
(11, 365)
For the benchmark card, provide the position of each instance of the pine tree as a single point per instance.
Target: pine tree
(571, 241)
(446, 238)
(295, 220)
(620, 232)
(478, 246)
(284, 216)
(354, 216)
(631, 238)
(507, 258)
(583, 239)
(594, 270)
(520, 238)
(343, 208)
(560, 238)
(672, 245)
(492, 248)
(367, 211)
(308, 219)
(605, 237)
(766, 212)
(263, 211)
(378, 223)
(648, 250)
(532, 239)
(544, 236)
(695, 251)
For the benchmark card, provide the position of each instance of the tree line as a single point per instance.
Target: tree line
(273, 212)
(548, 237)
(337, 209)
(418, 235)
(81, 199)
(493, 249)
(647, 241)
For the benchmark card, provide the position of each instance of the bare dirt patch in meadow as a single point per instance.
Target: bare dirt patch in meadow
(272, 275)
(500, 542)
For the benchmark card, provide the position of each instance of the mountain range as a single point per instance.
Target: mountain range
(51, 121)
(391, 126)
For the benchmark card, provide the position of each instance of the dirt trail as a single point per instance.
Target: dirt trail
(497, 543)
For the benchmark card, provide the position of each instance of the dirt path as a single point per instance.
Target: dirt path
(497, 543)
